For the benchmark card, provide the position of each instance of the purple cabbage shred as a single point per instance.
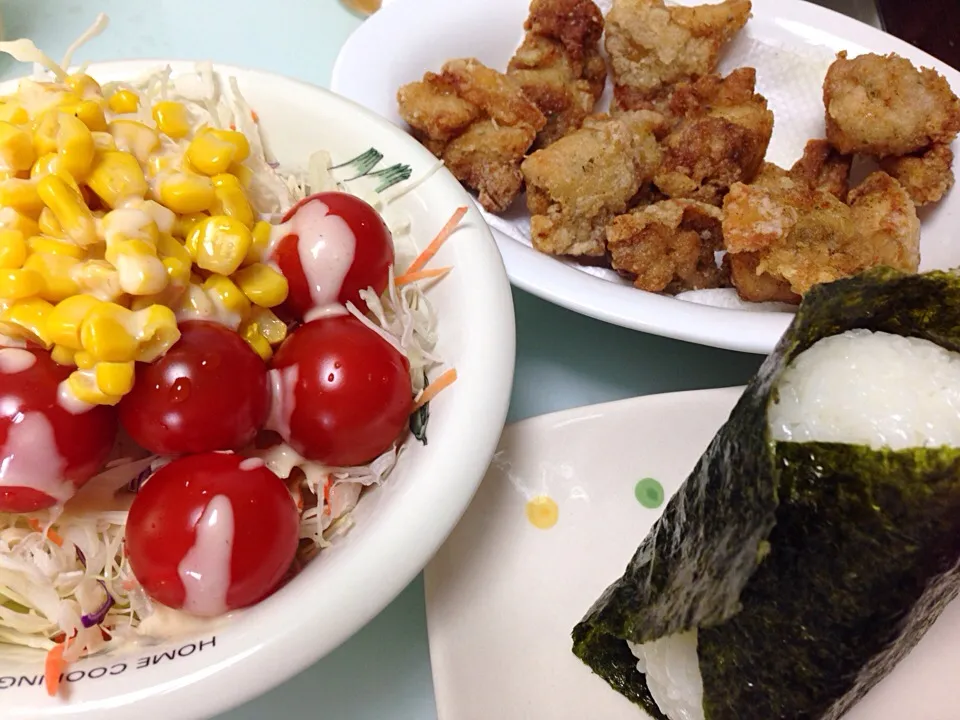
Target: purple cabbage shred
(96, 617)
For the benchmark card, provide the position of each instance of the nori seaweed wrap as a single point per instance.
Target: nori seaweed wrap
(807, 569)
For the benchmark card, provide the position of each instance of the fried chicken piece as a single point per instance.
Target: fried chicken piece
(800, 236)
(479, 122)
(559, 65)
(823, 168)
(926, 175)
(652, 45)
(883, 105)
(722, 139)
(669, 246)
(757, 286)
(577, 185)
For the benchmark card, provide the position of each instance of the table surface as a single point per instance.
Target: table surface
(563, 360)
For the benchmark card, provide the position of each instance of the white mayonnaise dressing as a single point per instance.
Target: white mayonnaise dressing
(283, 400)
(14, 360)
(326, 247)
(282, 459)
(68, 400)
(251, 463)
(30, 458)
(205, 569)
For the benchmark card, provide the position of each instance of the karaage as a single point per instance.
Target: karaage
(559, 65)
(652, 45)
(668, 246)
(479, 122)
(883, 105)
(577, 185)
(927, 175)
(722, 138)
(796, 236)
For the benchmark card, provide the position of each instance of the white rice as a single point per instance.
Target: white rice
(673, 674)
(860, 387)
(872, 389)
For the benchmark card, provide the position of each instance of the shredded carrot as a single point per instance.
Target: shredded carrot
(233, 126)
(128, 584)
(433, 389)
(420, 275)
(53, 668)
(52, 534)
(254, 116)
(446, 231)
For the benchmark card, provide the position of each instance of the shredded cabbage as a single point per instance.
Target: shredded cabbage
(63, 566)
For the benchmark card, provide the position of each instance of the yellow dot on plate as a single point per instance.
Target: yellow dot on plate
(542, 512)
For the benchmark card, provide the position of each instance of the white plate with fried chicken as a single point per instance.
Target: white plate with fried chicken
(685, 170)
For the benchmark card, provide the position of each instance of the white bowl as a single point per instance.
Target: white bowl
(398, 527)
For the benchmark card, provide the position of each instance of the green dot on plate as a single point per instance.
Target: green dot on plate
(649, 493)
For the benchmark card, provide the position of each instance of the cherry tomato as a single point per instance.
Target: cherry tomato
(343, 392)
(212, 532)
(47, 450)
(319, 227)
(209, 392)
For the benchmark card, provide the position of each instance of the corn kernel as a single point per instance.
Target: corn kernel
(56, 273)
(62, 355)
(187, 193)
(157, 332)
(10, 219)
(261, 243)
(271, 327)
(27, 320)
(48, 224)
(228, 299)
(117, 177)
(104, 335)
(219, 244)
(235, 138)
(164, 218)
(135, 137)
(99, 279)
(209, 154)
(74, 146)
(251, 333)
(103, 142)
(114, 378)
(128, 223)
(124, 101)
(82, 384)
(13, 113)
(16, 148)
(69, 209)
(167, 162)
(186, 223)
(169, 246)
(53, 246)
(242, 173)
(263, 285)
(45, 128)
(45, 165)
(140, 273)
(13, 249)
(171, 119)
(84, 360)
(66, 319)
(231, 200)
(22, 196)
(20, 284)
(84, 85)
(90, 113)
(178, 272)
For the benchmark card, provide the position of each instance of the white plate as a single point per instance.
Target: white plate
(398, 526)
(503, 595)
(791, 43)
